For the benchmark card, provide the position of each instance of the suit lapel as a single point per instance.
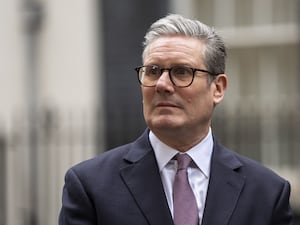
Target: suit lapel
(141, 175)
(224, 187)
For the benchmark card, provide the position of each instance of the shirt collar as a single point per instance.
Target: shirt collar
(200, 153)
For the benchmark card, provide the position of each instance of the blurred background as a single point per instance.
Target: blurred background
(68, 90)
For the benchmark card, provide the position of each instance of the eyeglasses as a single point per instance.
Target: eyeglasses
(180, 76)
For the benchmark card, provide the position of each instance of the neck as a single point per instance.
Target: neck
(181, 141)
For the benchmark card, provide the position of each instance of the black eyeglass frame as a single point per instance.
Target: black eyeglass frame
(137, 69)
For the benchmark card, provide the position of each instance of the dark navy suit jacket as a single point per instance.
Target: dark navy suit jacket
(123, 187)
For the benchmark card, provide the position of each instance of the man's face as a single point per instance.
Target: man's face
(168, 108)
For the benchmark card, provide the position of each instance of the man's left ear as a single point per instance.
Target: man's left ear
(220, 87)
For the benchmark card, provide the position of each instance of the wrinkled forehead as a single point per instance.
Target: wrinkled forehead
(167, 43)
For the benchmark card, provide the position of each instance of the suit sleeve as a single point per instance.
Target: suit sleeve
(77, 207)
(282, 214)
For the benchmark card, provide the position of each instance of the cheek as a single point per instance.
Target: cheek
(189, 100)
(147, 98)
(193, 106)
(199, 102)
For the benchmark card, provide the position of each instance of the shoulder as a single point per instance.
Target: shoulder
(249, 168)
(96, 174)
(109, 163)
(258, 171)
(109, 159)
(257, 185)
(260, 184)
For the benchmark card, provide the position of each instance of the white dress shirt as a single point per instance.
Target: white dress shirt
(198, 172)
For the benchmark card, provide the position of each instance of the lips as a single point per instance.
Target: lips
(166, 104)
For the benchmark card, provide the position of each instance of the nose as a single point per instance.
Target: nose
(164, 84)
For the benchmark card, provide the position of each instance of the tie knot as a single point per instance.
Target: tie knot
(183, 161)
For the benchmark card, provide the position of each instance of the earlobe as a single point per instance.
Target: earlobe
(220, 88)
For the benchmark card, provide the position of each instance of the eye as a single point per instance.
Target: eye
(152, 70)
(181, 71)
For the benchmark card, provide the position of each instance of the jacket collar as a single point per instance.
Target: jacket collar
(141, 175)
(225, 186)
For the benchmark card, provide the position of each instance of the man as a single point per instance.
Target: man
(182, 80)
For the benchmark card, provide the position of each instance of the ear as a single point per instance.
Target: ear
(220, 83)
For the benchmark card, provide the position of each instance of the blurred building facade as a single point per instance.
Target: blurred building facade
(49, 76)
(68, 90)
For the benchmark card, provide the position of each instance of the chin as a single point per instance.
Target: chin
(164, 123)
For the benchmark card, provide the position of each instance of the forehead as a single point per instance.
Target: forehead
(174, 47)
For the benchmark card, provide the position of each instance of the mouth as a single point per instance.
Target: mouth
(166, 104)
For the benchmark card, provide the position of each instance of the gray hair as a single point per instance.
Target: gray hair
(214, 53)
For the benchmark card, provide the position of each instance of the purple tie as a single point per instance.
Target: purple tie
(184, 201)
